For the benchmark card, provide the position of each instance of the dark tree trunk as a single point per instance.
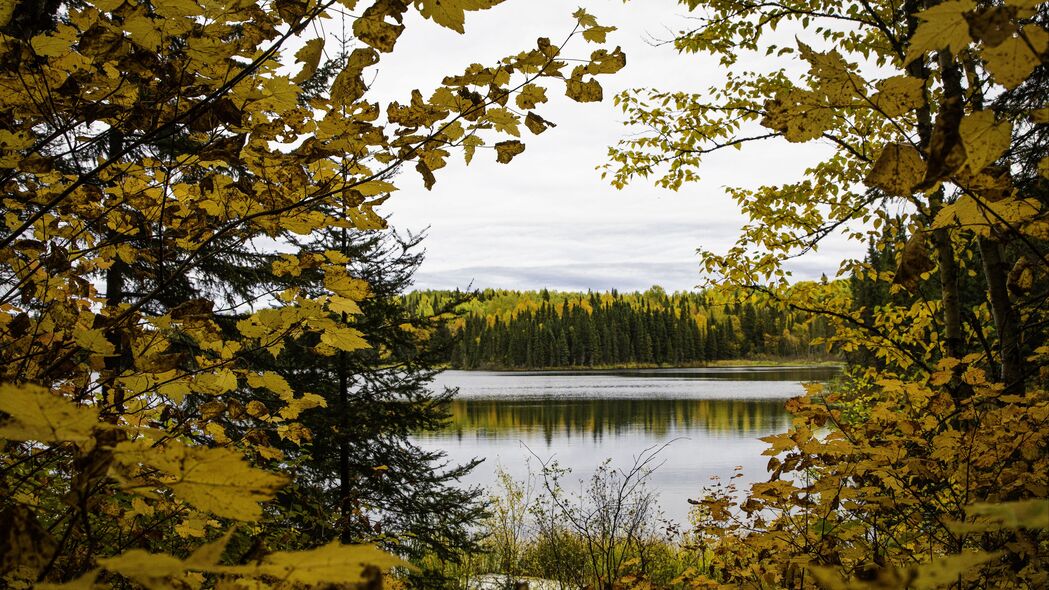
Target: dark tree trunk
(1006, 323)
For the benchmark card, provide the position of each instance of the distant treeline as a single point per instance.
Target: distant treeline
(548, 329)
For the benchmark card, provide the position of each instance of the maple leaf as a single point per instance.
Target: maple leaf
(348, 86)
(504, 121)
(799, 114)
(215, 480)
(344, 285)
(898, 95)
(984, 139)
(328, 563)
(7, 9)
(1012, 60)
(914, 263)
(506, 150)
(55, 44)
(451, 13)
(537, 124)
(530, 96)
(943, 25)
(343, 338)
(310, 57)
(93, 339)
(37, 414)
(580, 91)
(470, 145)
(898, 170)
(373, 28)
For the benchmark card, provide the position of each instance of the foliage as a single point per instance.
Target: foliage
(148, 152)
(512, 329)
(934, 113)
(372, 481)
(607, 534)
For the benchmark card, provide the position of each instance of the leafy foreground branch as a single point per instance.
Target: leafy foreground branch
(204, 374)
(929, 467)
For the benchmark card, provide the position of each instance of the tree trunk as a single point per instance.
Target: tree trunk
(1006, 323)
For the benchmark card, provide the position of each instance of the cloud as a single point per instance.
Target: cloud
(595, 256)
(624, 276)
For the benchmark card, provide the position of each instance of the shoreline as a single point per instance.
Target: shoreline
(719, 364)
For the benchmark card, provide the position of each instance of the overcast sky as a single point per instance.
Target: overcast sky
(547, 219)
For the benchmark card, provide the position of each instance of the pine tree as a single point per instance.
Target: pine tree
(371, 480)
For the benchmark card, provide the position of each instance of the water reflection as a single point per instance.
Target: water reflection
(711, 418)
(597, 418)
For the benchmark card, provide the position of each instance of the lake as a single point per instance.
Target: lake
(709, 418)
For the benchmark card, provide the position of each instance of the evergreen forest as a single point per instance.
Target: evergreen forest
(542, 329)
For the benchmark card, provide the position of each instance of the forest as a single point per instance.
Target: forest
(543, 329)
(212, 366)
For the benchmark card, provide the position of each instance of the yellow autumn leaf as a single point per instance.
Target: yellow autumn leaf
(7, 9)
(984, 140)
(348, 86)
(942, 26)
(537, 124)
(34, 413)
(296, 406)
(1026, 514)
(215, 480)
(1012, 61)
(93, 340)
(898, 95)
(470, 145)
(800, 115)
(530, 96)
(945, 570)
(148, 569)
(373, 28)
(343, 338)
(584, 18)
(1024, 8)
(340, 304)
(273, 382)
(596, 34)
(178, 9)
(451, 13)
(215, 383)
(898, 170)
(55, 44)
(279, 94)
(374, 187)
(506, 150)
(328, 564)
(346, 286)
(604, 62)
(144, 32)
(504, 121)
(580, 91)
(209, 554)
(310, 57)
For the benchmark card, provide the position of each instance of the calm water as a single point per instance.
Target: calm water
(711, 419)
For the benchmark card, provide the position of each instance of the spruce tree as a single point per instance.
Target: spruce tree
(372, 482)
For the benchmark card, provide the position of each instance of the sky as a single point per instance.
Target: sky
(548, 219)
